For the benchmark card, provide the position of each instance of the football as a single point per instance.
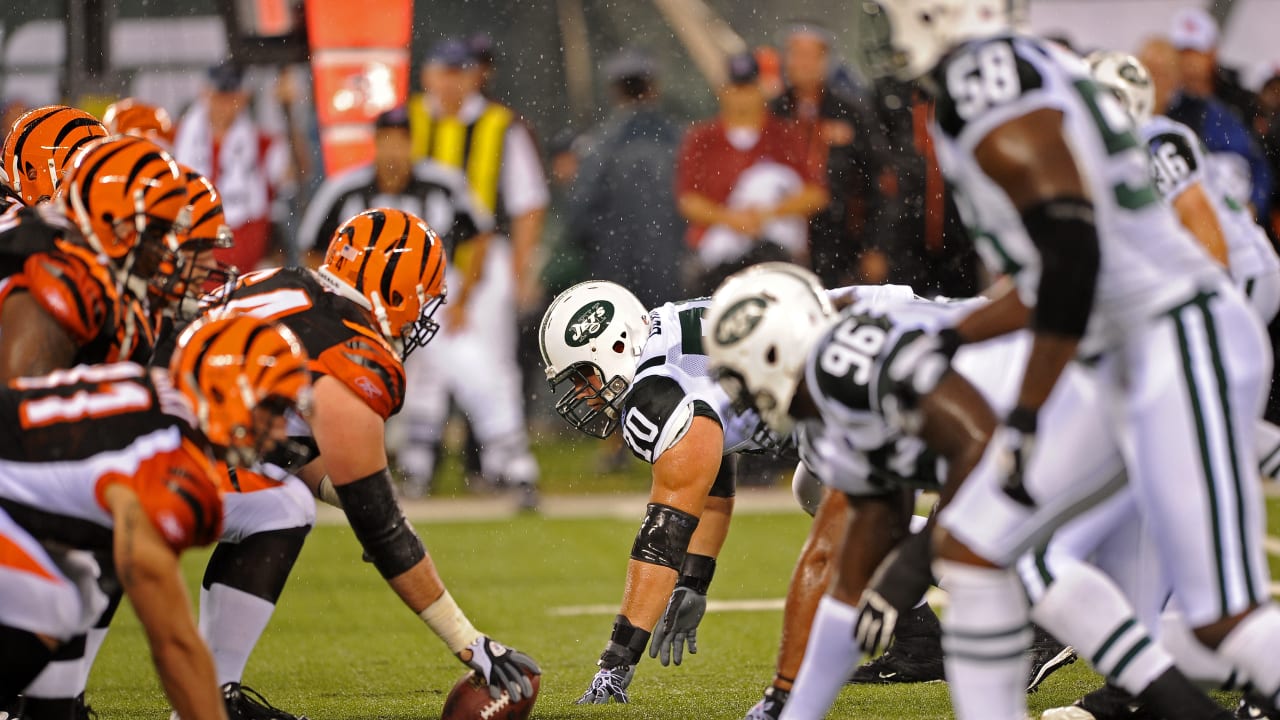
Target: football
(469, 700)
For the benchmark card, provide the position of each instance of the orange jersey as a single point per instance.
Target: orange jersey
(341, 338)
(73, 286)
(68, 436)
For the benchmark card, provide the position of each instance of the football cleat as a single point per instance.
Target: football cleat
(245, 703)
(1106, 703)
(770, 706)
(1251, 708)
(914, 657)
(1047, 657)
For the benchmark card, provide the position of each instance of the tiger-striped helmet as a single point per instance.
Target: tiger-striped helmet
(194, 271)
(134, 117)
(391, 263)
(239, 373)
(40, 146)
(126, 195)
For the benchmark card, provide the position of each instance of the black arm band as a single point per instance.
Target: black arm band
(696, 573)
(664, 536)
(1063, 231)
(387, 537)
(626, 644)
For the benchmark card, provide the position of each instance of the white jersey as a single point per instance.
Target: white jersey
(857, 445)
(1148, 262)
(1179, 161)
(673, 383)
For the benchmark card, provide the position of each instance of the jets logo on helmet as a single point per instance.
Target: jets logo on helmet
(588, 323)
(590, 337)
(766, 318)
(740, 319)
(1126, 78)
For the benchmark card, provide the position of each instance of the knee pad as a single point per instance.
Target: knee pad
(664, 536)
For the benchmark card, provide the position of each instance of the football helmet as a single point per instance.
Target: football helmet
(233, 370)
(134, 117)
(41, 145)
(590, 337)
(763, 321)
(907, 38)
(193, 271)
(126, 196)
(392, 264)
(1127, 78)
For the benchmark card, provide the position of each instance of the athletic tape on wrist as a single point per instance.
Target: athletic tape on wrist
(626, 644)
(696, 573)
(447, 620)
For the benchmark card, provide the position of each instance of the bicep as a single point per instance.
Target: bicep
(684, 474)
(348, 433)
(32, 342)
(1029, 158)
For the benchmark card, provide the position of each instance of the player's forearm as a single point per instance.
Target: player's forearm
(1197, 215)
(419, 586)
(1003, 315)
(1049, 356)
(187, 675)
(713, 527)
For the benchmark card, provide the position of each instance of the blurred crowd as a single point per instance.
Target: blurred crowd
(802, 162)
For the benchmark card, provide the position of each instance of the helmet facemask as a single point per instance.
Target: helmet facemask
(419, 332)
(590, 404)
(191, 280)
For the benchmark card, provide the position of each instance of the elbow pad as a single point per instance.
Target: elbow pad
(375, 517)
(1064, 232)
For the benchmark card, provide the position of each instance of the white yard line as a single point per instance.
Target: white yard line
(1272, 544)
(759, 605)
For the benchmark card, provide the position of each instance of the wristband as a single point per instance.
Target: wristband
(447, 620)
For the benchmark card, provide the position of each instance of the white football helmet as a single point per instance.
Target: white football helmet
(1127, 78)
(763, 321)
(591, 336)
(907, 38)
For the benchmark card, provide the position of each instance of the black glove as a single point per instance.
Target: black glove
(1017, 442)
(502, 668)
(899, 582)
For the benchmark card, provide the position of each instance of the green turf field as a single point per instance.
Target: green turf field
(342, 647)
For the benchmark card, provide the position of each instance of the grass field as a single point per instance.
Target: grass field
(341, 645)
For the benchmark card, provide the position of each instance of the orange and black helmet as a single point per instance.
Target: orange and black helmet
(230, 368)
(194, 271)
(134, 117)
(40, 146)
(391, 263)
(126, 195)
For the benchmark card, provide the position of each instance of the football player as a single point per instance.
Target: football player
(368, 306)
(119, 459)
(39, 149)
(616, 365)
(130, 116)
(1056, 188)
(772, 347)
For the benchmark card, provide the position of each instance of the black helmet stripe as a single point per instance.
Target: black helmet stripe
(215, 210)
(76, 125)
(31, 127)
(379, 219)
(393, 261)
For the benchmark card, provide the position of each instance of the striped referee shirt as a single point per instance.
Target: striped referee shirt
(436, 193)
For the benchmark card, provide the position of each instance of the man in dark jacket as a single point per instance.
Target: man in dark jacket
(848, 146)
(620, 212)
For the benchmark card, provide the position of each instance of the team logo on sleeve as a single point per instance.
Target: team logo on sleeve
(739, 320)
(588, 323)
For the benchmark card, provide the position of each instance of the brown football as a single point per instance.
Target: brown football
(469, 700)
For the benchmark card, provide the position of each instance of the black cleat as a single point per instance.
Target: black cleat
(1252, 707)
(245, 703)
(1106, 703)
(770, 707)
(914, 657)
(1047, 657)
(50, 709)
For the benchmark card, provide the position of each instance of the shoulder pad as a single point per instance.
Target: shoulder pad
(178, 490)
(68, 289)
(657, 414)
(368, 368)
(980, 77)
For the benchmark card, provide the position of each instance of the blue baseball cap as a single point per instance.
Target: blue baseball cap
(452, 53)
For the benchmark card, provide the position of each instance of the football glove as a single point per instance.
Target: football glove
(679, 625)
(898, 583)
(1016, 444)
(502, 668)
(610, 683)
